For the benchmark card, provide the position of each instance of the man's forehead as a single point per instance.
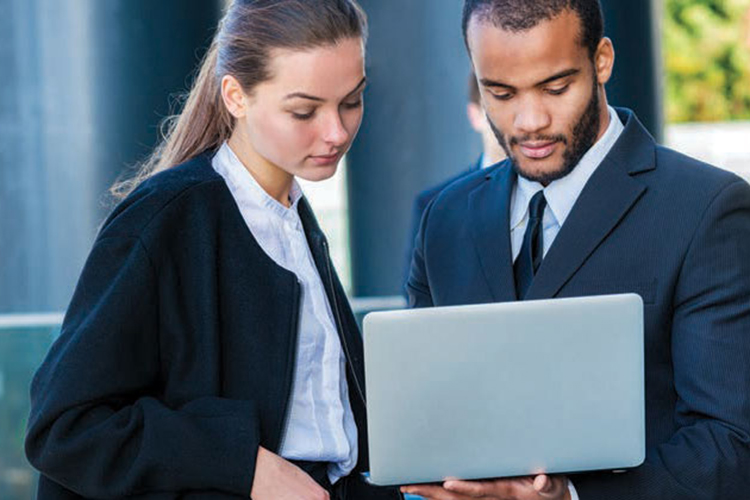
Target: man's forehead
(549, 46)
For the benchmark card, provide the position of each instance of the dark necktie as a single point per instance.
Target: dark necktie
(532, 251)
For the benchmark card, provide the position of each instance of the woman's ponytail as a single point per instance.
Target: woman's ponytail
(204, 124)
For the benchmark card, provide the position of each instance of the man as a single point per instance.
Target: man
(491, 154)
(588, 204)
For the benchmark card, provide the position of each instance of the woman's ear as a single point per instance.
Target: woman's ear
(233, 96)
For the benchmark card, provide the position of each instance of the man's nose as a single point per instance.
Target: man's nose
(531, 117)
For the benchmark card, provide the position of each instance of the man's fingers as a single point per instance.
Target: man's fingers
(474, 489)
(454, 489)
(493, 488)
(542, 484)
(550, 486)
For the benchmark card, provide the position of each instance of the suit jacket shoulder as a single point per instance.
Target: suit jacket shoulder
(681, 171)
(449, 207)
(463, 185)
(681, 189)
(425, 197)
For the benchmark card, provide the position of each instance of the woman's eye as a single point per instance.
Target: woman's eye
(353, 104)
(303, 116)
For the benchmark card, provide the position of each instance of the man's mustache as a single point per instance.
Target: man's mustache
(514, 141)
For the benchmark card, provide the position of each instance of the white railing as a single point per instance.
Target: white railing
(31, 320)
(360, 305)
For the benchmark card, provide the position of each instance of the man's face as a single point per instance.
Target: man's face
(542, 92)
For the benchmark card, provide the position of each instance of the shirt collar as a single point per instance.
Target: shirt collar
(247, 190)
(562, 194)
(484, 162)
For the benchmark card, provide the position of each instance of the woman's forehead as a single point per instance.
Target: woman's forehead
(328, 72)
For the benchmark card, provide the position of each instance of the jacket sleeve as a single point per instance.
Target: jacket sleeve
(417, 286)
(97, 425)
(709, 455)
(417, 211)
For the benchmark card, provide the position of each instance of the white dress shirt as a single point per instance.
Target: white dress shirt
(561, 196)
(320, 425)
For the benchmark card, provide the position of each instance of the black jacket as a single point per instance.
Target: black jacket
(176, 356)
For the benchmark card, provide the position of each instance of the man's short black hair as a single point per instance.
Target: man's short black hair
(522, 15)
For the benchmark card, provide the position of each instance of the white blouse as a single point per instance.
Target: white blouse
(320, 425)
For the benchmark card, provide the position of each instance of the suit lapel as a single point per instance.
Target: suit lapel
(489, 209)
(605, 200)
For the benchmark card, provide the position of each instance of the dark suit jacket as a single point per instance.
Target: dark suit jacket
(649, 221)
(420, 204)
(176, 356)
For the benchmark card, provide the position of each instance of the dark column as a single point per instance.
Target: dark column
(83, 86)
(415, 132)
(637, 82)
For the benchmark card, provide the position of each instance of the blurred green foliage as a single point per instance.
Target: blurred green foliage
(707, 60)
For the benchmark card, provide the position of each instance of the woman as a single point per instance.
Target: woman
(209, 350)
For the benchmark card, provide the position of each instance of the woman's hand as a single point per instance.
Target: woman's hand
(278, 479)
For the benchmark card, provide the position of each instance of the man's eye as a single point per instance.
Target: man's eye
(502, 97)
(558, 91)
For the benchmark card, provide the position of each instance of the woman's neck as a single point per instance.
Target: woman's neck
(274, 181)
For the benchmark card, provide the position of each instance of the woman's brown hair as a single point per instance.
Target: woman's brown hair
(242, 47)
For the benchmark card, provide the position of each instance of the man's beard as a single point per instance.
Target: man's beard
(583, 137)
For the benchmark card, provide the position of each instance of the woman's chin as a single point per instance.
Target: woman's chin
(316, 174)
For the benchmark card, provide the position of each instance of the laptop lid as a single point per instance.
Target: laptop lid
(499, 390)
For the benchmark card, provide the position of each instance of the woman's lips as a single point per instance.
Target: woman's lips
(323, 160)
(538, 151)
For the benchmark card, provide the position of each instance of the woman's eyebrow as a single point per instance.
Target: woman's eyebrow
(303, 95)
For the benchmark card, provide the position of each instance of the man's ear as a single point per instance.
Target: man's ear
(604, 60)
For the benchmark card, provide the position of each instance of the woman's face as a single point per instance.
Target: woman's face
(303, 119)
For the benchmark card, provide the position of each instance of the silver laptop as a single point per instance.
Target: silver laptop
(508, 389)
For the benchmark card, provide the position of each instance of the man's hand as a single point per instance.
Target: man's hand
(525, 488)
(278, 479)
